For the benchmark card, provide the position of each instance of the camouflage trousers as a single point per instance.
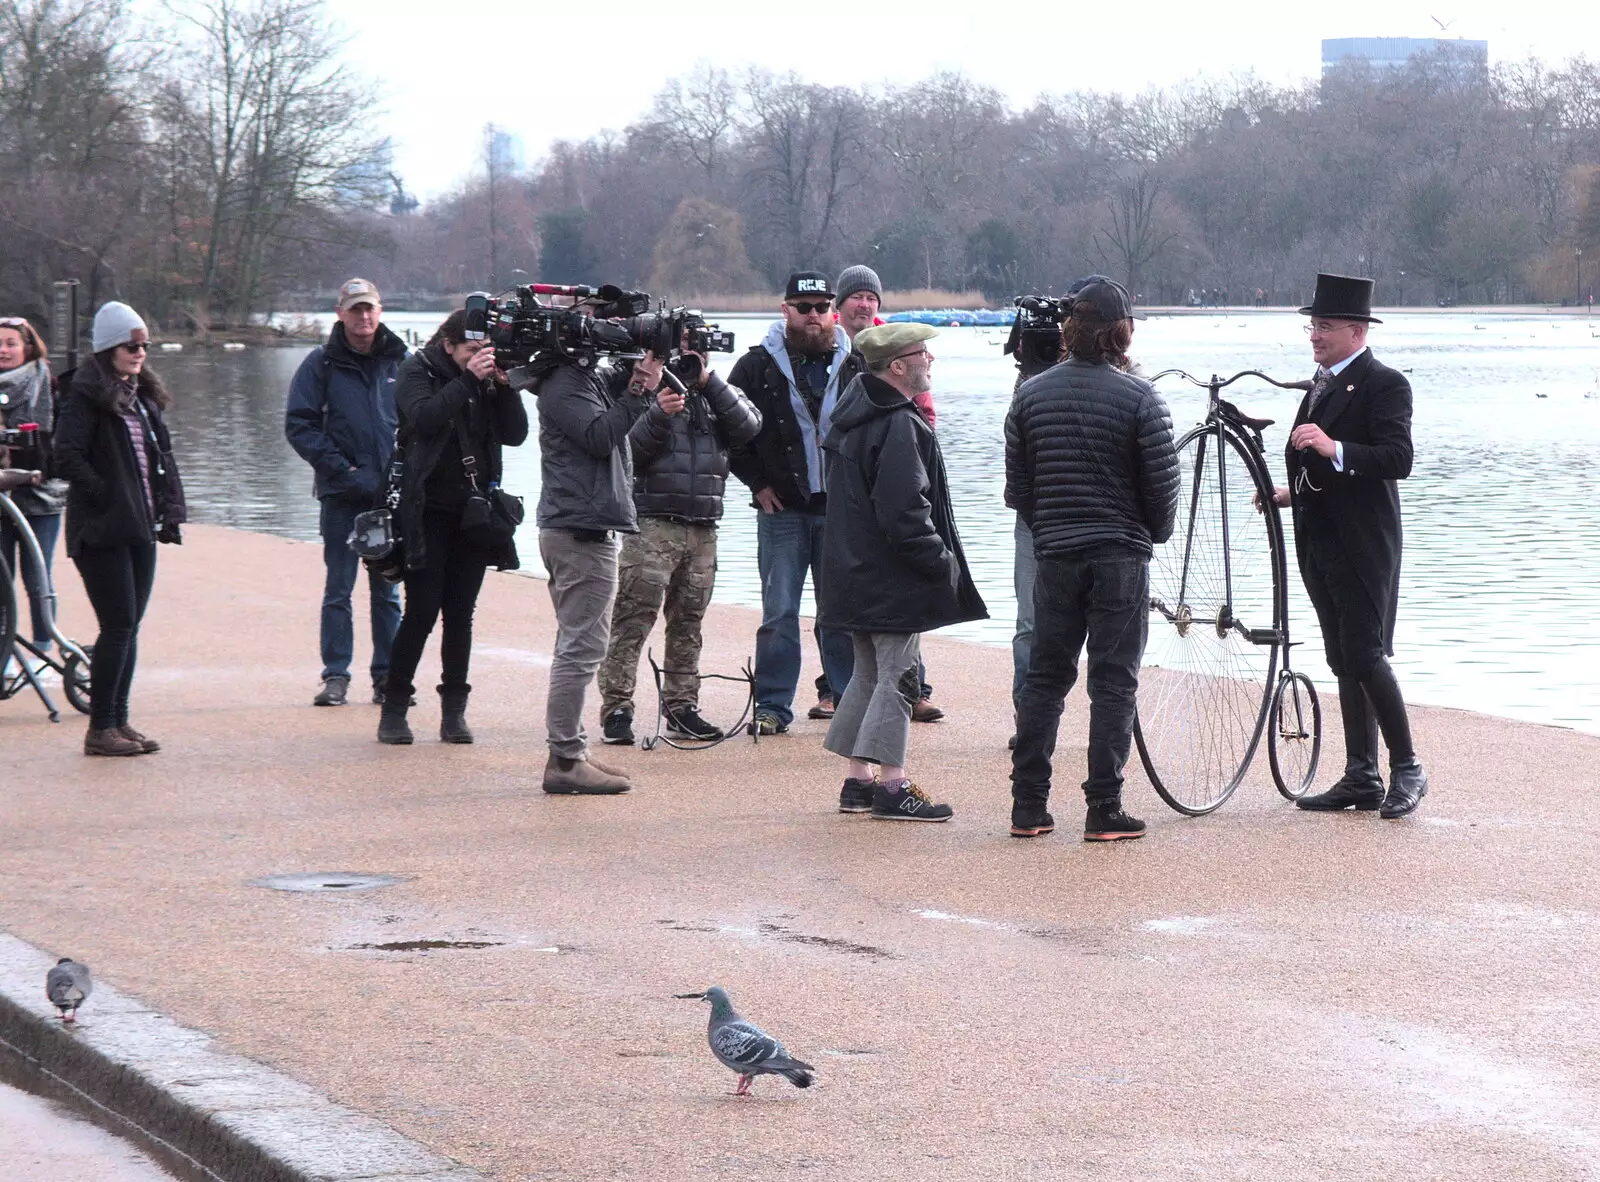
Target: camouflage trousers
(670, 562)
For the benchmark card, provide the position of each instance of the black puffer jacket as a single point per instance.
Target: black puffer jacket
(1090, 460)
(891, 556)
(432, 395)
(680, 462)
(94, 452)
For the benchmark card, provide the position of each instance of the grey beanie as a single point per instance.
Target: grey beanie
(115, 324)
(854, 279)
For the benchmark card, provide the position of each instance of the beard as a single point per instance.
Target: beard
(811, 339)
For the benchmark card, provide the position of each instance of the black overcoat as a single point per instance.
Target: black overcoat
(1353, 516)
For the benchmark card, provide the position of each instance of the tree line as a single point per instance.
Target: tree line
(208, 176)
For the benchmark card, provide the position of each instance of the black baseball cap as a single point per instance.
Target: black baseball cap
(1108, 299)
(808, 285)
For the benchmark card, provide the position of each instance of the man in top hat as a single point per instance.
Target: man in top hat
(1351, 442)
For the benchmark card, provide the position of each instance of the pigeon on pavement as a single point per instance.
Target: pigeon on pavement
(744, 1047)
(67, 985)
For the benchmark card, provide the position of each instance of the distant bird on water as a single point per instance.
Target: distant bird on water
(744, 1047)
(67, 986)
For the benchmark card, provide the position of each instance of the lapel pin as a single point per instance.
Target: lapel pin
(1348, 389)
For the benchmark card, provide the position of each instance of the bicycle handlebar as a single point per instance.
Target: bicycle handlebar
(1221, 383)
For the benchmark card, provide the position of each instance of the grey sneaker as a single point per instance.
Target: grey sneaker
(335, 692)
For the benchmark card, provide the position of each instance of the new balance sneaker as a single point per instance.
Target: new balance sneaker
(1107, 822)
(767, 723)
(901, 800)
(1031, 820)
(856, 795)
(335, 692)
(684, 722)
(618, 727)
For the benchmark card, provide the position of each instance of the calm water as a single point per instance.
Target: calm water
(1502, 512)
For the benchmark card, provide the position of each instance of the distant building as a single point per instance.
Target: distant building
(505, 152)
(1392, 53)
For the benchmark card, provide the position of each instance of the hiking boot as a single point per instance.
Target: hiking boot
(453, 716)
(856, 795)
(684, 722)
(609, 769)
(1408, 784)
(392, 726)
(1031, 820)
(110, 742)
(823, 709)
(580, 777)
(617, 727)
(901, 800)
(150, 745)
(926, 711)
(1107, 822)
(335, 692)
(768, 723)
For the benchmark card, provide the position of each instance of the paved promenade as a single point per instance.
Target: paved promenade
(1257, 994)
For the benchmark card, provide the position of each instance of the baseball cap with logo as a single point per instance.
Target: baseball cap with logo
(808, 284)
(358, 291)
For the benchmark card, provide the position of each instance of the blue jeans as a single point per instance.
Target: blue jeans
(47, 529)
(1023, 574)
(788, 543)
(338, 620)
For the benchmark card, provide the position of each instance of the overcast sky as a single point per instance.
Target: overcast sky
(551, 71)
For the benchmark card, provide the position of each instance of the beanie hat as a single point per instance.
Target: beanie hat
(854, 279)
(115, 324)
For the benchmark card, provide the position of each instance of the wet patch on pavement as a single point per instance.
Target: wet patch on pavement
(778, 932)
(348, 882)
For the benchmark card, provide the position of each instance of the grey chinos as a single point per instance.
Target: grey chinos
(873, 720)
(583, 586)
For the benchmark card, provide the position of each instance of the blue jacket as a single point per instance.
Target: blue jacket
(341, 413)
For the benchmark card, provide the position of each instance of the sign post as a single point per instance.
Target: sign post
(64, 321)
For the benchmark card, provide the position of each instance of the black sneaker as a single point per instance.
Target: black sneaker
(901, 800)
(684, 722)
(1031, 820)
(618, 727)
(1107, 822)
(335, 692)
(767, 723)
(856, 795)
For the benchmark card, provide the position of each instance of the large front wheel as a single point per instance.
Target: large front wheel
(1208, 668)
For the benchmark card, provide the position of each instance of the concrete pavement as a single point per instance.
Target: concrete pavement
(1257, 993)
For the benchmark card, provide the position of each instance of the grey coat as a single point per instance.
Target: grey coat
(586, 473)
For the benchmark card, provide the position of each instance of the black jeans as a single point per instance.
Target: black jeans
(1102, 596)
(447, 585)
(118, 581)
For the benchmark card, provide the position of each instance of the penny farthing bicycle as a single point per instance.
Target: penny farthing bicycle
(1219, 623)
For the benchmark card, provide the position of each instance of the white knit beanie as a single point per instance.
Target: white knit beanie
(115, 324)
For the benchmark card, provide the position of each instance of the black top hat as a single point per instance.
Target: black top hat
(1342, 297)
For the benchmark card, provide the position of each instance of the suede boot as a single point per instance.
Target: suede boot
(453, 715)
(392, 725)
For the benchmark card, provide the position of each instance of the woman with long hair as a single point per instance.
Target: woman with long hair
(112, 447)
(456, 411)
(28, 396)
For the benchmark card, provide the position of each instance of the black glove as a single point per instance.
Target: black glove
(170, 534)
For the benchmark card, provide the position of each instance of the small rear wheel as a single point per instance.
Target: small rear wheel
(1294, 735)
(75, 682)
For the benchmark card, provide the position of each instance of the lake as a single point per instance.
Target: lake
(1502, 511)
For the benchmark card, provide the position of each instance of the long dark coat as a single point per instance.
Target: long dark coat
(1368, 409)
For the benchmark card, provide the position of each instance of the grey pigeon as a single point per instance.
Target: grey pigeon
(67, 986)
(744, 1047)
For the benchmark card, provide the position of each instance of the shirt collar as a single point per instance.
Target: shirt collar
(1336, 370)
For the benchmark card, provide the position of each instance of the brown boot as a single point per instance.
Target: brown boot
(580, 777)
(609, 769)
(150, 745)
(110, 742)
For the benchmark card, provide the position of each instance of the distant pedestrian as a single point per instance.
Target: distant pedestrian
(892, 567)
(123, 497)
(29, 394)
(680, 467)
(1091, 467)
(341, 419)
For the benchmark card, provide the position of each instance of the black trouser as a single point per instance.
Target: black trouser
(448, 584)
(118, 581)
(1101, 596)
(1354, 640)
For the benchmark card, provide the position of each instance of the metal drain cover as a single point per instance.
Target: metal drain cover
(331, 880)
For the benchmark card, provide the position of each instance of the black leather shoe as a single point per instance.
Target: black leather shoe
(1361, 794)
(1408, 784)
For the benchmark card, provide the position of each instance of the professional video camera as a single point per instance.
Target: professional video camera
(22, 445)
(1036, 332)
(530, 337)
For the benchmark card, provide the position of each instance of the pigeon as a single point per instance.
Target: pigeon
(67, 986)
(744, 1047)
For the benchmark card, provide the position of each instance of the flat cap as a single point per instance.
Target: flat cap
(882, 343)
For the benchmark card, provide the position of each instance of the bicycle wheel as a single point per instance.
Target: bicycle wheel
(1213, 646)
(1294, 737)
(75, 681)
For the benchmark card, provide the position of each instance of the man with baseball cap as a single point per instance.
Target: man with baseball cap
(793, 377)
(341, 419)
(892, 566)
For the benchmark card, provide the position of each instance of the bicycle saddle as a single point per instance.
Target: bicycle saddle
(15, 478)
(1243, 419)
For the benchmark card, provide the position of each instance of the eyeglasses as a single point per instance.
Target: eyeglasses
(807, 309)
(135, 347)
(1323, 329)
(913, 353)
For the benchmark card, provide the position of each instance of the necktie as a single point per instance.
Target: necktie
(1319, 388)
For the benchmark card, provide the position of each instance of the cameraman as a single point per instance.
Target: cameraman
(586, 500)
(680, 450)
